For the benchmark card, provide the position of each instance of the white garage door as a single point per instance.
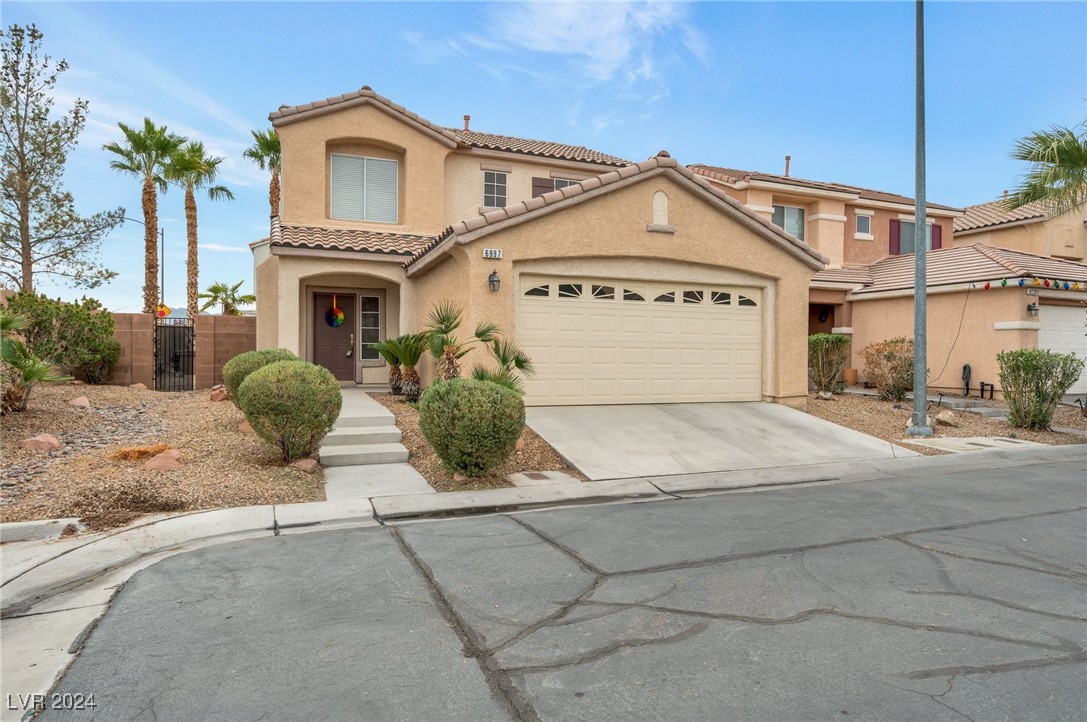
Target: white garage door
(1062, 331)
(599, 341)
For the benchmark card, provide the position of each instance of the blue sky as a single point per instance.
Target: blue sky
(737, 84)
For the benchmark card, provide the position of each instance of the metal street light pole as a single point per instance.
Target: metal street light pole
(162, 253)
(919, 423)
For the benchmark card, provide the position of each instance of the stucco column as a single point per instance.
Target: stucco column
(826, 230)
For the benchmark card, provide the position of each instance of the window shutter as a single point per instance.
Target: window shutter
(380, 197)
(936, 236)
(896, 238)
(541, 186)
(348, 187)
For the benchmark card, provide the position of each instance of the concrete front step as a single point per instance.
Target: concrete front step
(362, 435)
(355, 421)
(355, 454)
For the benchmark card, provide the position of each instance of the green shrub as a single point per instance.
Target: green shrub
(291, 405)
(828, 354)
(238, 368)
(1033, 382)
(72, 335)
(473, 426)
(888, 365)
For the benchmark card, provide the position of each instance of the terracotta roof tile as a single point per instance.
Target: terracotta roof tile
(995, 213)
(733, 175)
(527, 146)
(861, 276)
(969, 264)
(339, 239)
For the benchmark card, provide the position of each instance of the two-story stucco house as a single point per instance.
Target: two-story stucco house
(626, 283)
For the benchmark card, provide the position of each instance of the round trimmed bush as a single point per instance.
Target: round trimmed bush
(238, 368)
(472, 425)
(291, 405)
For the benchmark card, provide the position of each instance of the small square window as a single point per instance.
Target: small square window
(692, 296)
(789, 219)
(721, 298)
(563, 182)
(569, 290)
(864, 224)
(606, 293)
(494, 189)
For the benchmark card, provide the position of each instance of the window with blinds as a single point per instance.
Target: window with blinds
(364, 189)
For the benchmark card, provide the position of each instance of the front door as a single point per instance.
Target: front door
(334, 324)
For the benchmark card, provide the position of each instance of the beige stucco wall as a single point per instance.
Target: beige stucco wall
(306, 146)
(976, 344)
(1063, 237)
(606, 236)
(464, 179)
(266, 288)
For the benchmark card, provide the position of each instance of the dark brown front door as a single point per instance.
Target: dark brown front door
(333, 333)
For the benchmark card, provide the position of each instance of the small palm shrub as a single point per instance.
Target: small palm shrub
(888, 365)
(388, 352)
(473, 426)
(828, 354)
(1033, 382)
(511, 364)
(237, 369)
(20, 369)
(292, 405)
(442, 342)
(410, 349)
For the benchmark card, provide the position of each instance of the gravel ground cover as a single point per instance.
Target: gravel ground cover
(881, 419)
(533, 454)
(222, 466)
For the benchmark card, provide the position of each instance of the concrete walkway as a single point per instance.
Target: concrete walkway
(619, 442)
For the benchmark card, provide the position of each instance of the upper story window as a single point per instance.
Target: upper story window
(864, 225)
(790, 219)
(546, 185)
(494, 189)
(903, 237)
(364, 189)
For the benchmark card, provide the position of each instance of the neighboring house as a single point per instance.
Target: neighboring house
(1030, 228)
(626, 283)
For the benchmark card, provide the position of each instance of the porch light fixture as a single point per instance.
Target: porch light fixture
(494, 281)
(1032, 309)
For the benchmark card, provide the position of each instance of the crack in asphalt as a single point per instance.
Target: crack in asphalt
(1002, 667)
(1002, 603)
(1066, 574)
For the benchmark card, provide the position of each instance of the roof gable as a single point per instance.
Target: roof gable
(996, 213)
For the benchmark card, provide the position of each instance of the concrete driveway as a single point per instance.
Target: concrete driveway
(618, 442)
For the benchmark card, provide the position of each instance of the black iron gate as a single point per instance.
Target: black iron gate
(174, 346)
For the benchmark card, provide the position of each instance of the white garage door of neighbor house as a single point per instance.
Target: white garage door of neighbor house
(601, 341)
(1063, 331)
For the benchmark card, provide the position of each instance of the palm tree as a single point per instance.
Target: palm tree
(144, 154)
(265, 152)
(442, 323)
(409, 349)
(225, 295)
(1058, 174)
(191, 168)
(388, 352)
(21, 370)
(512, 362)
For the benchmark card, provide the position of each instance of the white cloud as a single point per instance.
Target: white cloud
(224, 248)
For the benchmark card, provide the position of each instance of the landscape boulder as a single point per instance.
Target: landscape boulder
(138, 387)
(218, 395)
(42, 442)
(305, 465)
(166, 461)
(245, 427)
(81, 401)
(947, 418)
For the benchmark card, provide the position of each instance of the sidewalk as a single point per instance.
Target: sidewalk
(54, 591)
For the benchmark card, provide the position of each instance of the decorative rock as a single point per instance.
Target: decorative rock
(305, 465)
(947, 418)
(825, 395)
(218, 395)
(460, 477)
(216, 387)
(42, 442)
(166, 461)
(81, 401)
(76, 382)
(138, 387)
(245, 428)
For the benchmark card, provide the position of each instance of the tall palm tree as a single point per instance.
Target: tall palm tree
(265, 152)
(226, 296)
(1058, 172)
(144, 154)
(193, 169)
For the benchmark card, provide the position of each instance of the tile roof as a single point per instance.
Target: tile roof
(661, 162)
(542, 148)
(339, 239)
(858, 276)
(969, 264)
(733, 175)
(995, 213)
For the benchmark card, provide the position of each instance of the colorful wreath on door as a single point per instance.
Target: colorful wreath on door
(334, 316)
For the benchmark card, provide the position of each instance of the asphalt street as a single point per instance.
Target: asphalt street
(939, 598)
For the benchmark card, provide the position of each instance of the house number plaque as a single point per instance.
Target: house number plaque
(492, 252)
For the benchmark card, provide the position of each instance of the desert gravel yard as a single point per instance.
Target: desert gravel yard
(532, 454)
(221, 466)
(881, 419)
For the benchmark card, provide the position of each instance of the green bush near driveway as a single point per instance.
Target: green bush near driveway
(472, 425)
(292, 405)
(237, 369)
(74, 335)
(828, 355)
(888, 365)
(1033, 382)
